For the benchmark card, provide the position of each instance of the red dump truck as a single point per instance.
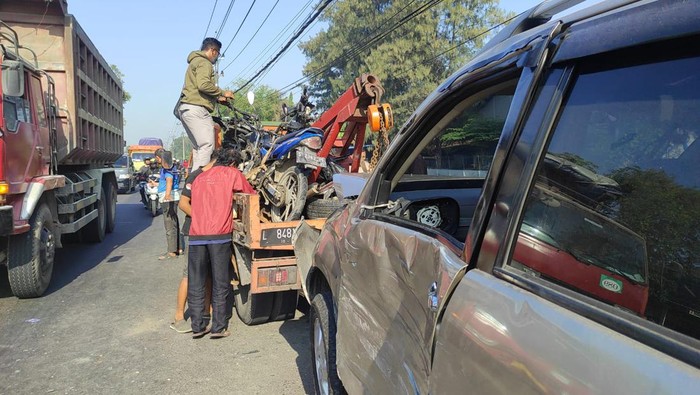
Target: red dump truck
(61, 126)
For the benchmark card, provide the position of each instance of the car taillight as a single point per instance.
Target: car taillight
(312, 142)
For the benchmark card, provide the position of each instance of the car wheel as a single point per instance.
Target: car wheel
(323, 329)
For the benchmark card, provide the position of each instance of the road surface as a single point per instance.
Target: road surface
(102, 328)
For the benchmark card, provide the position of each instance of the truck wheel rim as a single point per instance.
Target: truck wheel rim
(320, 358)
(46, 249)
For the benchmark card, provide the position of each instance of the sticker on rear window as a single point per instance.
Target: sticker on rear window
(610, 284)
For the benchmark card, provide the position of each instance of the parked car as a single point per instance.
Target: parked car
(533, 227)
(125, 172)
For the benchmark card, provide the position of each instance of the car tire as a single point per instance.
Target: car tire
(30, 257)
(252, 309)
(323, 345)
(323, 208)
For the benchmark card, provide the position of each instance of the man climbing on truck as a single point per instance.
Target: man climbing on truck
(197, 99)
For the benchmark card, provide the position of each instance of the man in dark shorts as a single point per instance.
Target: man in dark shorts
(211, 208)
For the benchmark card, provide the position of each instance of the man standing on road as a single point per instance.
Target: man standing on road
(168, 194)
(210, 239)
(180, 324)
(199, 94)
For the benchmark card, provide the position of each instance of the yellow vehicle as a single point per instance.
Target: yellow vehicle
(140, 152)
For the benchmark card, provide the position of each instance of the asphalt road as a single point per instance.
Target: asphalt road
(102, 328)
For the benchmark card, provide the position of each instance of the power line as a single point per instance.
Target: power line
(210, 18)
(276, 39)
(240, 26)
(254, 34)
(299, 31)
(358, 49)
(285, 89)
(225, 20)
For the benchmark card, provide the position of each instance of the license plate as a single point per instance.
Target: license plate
(276, 237)
(308, 157)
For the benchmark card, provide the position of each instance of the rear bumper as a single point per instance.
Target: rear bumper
(124, 184)
(6, 223)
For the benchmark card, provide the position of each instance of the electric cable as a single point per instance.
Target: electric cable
(210, 18)
(225, 20)
(254, 34)
(273, 42)
(322, 6)
(358, 49)
(239, 26)
(288, 88)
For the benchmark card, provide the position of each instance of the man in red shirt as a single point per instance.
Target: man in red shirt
(210, 238)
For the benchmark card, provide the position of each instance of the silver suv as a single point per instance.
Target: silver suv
(535, 225)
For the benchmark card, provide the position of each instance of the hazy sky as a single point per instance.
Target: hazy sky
(149, 42)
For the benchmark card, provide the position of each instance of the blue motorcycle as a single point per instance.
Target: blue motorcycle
(282, 175)
(277, 163)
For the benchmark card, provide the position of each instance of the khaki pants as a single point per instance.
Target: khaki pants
(200, 129)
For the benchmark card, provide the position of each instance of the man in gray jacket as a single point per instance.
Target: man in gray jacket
(199, 94)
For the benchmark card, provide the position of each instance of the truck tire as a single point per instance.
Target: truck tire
(323, 351)
(252, 309)
(95, 231)
(111, 206)
(295, 186)
(284, 305)
(31, 256)
(323, 208)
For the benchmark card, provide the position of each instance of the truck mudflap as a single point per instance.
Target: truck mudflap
(304, 240)
(6, 223)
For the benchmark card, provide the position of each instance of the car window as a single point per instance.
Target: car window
(141, 155)
(439, 179)
(462, 144)
(122, 161)
(614, 211)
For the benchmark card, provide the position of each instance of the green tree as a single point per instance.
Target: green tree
(667, 216)
(181, 147)
(267, 104)
(126, 96)
(410, 61)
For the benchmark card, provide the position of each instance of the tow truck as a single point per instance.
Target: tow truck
(266, 282)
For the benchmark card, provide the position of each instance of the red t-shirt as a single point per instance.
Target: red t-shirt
(212, 202)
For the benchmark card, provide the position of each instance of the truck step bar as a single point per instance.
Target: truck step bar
(70, 208)
(77, 182)
(76, 225)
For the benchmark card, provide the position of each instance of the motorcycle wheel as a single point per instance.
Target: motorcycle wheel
(154, 208)
(294, 185)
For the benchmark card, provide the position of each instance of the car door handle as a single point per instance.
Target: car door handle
(433, 297)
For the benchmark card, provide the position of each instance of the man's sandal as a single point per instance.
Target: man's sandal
(167, 256)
